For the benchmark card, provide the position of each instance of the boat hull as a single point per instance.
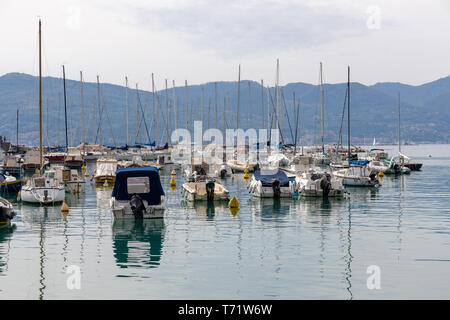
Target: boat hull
(46, 196)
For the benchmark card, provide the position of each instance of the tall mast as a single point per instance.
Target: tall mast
(239, 97)
(167, 114)
(174, 106)
(348, 111)
(262, 103)
(399, 138)
(17, 129)
(83, 135)
(186, 103)
(65, 107)
(154, 110)
(250, 105)
(99, 111)
(40, 99)
(276, 95)
(138, 122)
(126, 108)
(203, 104)
(215, 99)
(322, 114)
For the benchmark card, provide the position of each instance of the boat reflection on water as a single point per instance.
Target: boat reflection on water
(205, 209)
(6, 232)
(138, 243)
(270, 208)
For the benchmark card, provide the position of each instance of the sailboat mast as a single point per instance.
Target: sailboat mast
(250, 105)
(167, 114)
(99, 111)
(154, 110)
(203, 104)
(348, 111)
(17, 129)
(186, 104)
(215, 99)
(174, 106)
(65, 107)
(126, 107)
(276, 95)
(83, 135)
(40, 98)
(322, 114)
(239, 97)
(399, 138)
(262, 103)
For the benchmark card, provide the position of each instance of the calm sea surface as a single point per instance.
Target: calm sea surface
(288, 249)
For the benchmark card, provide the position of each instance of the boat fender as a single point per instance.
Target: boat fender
(276, 188)
(210, 185)
(137, 206)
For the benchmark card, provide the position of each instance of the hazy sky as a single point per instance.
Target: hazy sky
(205, 40)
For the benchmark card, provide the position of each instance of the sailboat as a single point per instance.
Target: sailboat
(43, 189)
(322, 158)
(356, 172)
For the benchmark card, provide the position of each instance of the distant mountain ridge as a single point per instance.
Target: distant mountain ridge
(425, 110)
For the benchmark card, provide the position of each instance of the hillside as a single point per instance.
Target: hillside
(425, 110)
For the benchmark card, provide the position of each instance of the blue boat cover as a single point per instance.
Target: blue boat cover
(267, 176)
(120, 191)
(358, 162)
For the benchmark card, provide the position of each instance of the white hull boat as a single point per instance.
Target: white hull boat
(206, 190)
(138, 194)
(319, 184)
(270, 183)
(357, 176)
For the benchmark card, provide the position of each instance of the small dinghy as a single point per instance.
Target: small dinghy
(223, 171)
(138, 193)
(237, 166)
(313, 183)
(205, 189)
(6, 212)
(270, 183)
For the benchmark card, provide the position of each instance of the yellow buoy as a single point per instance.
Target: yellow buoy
(83, 168)
(381, 174)
(234, 203)
(246, 176)
(173, 183)
(234, 211)
(64, 207)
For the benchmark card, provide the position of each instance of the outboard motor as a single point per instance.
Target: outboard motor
(210, 185)
(325, 185)
(276, 188)
(223, 171)
(137, 206)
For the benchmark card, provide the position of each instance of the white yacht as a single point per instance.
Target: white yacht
(358, 176)
(45, 189)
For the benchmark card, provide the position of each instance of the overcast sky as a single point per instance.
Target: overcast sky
(206, 40)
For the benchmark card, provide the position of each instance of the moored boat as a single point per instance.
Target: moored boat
(270, 183)
(105, 170)
(138, 193)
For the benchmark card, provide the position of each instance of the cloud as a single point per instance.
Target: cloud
(252, 27)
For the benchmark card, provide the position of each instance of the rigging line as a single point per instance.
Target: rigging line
(287, 115)
(275, 117)
(143, 116)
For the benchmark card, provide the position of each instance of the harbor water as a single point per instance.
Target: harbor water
(269, 249)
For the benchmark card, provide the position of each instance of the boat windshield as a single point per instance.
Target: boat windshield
(138, 185)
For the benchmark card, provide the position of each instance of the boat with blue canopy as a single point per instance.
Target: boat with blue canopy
(138, 193)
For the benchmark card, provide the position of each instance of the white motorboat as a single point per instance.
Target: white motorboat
(270, 183)
(74, 183)
(207, 189)
(278, 160)
(138, 193)
(45, 189)
(358, 176)
(223, 171)
(312, 183)
(237, 166)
